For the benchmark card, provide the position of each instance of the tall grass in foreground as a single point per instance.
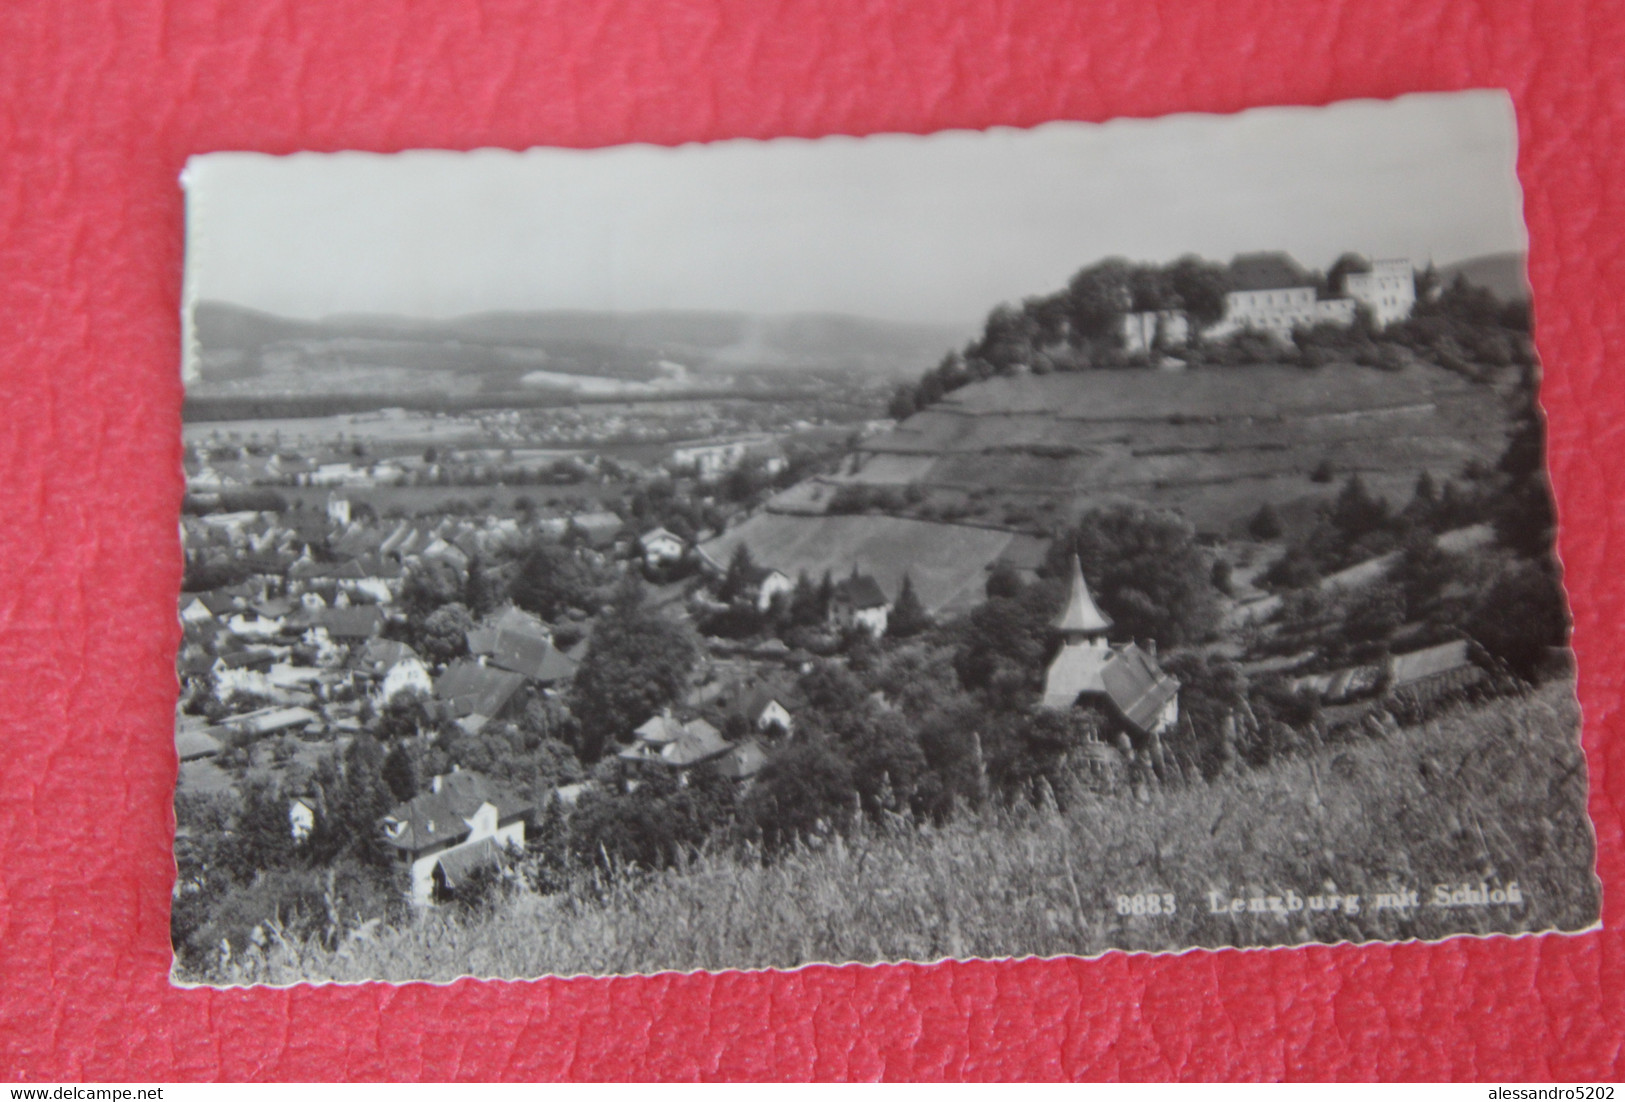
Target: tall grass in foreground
(1492, 794)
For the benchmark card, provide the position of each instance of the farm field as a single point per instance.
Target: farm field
(1490, 795)
(947, 563)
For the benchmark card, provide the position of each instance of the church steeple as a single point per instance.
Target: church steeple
(1080, 621)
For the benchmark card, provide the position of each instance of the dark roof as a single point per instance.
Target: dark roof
(665, 741)
(356, 622)
(515, 640)
(431, 818)
(743, 761)
(468, 688)
(195, 742)
(378, 656)
(532, 656)
(861, 591)
(195, 665)
(753, 703)
(1137, 686)
(456, 865)
(249, 659)
(1129, 679)
(218, 601)
(268, 564)
(1266, 272)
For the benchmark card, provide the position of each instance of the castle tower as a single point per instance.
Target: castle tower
(1080, 621)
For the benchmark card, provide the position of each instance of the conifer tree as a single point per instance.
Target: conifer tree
(908, 616)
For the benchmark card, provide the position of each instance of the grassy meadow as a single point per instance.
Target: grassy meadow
(1493, 794)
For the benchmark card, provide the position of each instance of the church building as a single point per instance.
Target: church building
(1123, 680)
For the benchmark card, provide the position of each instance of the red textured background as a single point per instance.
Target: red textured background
(101, 101)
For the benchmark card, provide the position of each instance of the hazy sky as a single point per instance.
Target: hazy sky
(938, 228)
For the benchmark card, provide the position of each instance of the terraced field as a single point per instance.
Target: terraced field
(1215, 443)
(984, 472)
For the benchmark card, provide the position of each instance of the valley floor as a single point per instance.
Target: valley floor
(1492, 796)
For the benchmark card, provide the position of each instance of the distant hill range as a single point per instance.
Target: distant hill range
(244, 351)
(1501, 273)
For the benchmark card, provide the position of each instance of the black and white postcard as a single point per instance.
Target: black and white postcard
(977, 545)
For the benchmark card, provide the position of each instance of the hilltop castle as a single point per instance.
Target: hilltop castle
(1269, 292)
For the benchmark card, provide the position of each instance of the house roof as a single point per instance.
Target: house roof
(195, 665)
(1428, 662)
(456, 865)
(267, 720)
(600, 527)
(468, 688)
(660, 534)
(861, 591)
(534, 657)
(753, 703)
(378, 656)
(194, 742)
(355, 622)
(1125, 676)
(273, 608)
(1080, 615)
(743, 761)
(660, 729)
(218, 601)
(1271, 271)
(517, 641)
(432, 818)
(247, 659)
(1137, 686)
(678, 744)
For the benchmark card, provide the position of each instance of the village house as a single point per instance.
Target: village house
(243, 671)
(668, 743)
(269, 721)
(1123, 681)
(1424, 677)
(710, 461)
(767, 583)
(301, 817)
(743, 761)
(346, 626)
(661, 547)
(463, 823)
(599, 528)
(763, 709)
(473, 693)
(516, 641)
(194, 739)
(858, 601)
(213, 604)
(390, 667)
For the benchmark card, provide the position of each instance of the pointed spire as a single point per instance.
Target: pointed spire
(1079, 617)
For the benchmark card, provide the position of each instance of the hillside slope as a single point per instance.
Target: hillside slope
(1502, 273)
(253, 350)
(1214, 443)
